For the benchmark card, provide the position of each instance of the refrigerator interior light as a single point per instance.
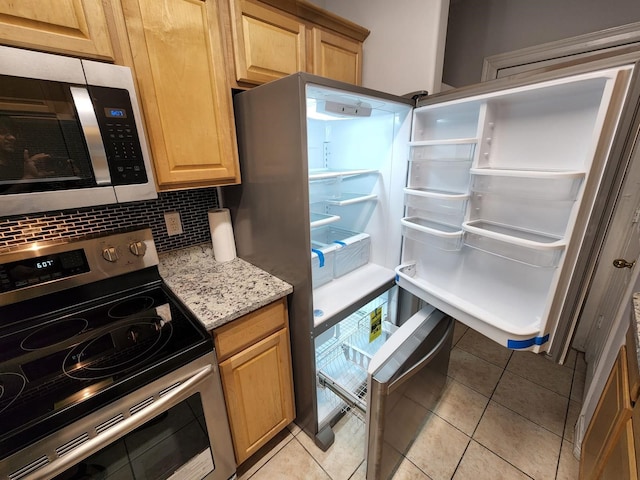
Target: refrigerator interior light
(331, 110)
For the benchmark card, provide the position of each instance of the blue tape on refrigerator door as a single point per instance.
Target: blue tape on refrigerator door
(520, 344)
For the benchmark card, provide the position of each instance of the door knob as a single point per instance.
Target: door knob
(622, 263)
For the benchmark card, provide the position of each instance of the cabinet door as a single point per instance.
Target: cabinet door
(609, 422)
(177, 56)
(258, 390)
(75, 27)
(336, 57)
(621, 462)
(267, 44)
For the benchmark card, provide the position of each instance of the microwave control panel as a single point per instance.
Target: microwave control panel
(119, 135)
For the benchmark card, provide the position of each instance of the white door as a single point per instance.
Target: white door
(607, 292)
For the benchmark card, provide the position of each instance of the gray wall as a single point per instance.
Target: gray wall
(477, 29)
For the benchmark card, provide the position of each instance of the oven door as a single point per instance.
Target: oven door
(174, 428)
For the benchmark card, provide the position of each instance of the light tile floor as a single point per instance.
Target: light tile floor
(502, 415)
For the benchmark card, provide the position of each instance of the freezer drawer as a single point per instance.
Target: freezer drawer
(387, 376)
(404, 383)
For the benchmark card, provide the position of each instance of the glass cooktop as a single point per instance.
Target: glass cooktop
(55, 368)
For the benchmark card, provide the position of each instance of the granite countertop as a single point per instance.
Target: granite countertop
(217, 293)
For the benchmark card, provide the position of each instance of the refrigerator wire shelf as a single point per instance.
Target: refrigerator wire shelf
(343, 362)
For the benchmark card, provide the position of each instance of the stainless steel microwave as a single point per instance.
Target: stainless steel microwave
(71, 134)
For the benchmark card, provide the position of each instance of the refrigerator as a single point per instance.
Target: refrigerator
(392, 216)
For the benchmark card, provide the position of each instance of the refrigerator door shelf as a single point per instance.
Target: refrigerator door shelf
(526, 246)
(513, 235)
(444, 175)
(459, 149)
(439, 203)
(530, 184)
(440, 123)
(439, 235)
(526, 336)
(539, 258)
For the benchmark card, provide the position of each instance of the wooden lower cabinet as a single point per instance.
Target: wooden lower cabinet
(255, 365)
(608, 446)
(621, 463)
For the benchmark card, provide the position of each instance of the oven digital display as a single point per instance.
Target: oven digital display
(33, 271)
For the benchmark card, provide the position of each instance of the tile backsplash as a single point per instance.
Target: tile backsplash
(192, 205)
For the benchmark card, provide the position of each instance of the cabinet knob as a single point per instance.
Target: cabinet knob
(622, 263)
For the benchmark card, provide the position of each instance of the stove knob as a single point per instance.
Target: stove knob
(138, 248)
(110, 254)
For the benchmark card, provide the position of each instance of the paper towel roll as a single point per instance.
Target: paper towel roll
(224, 245)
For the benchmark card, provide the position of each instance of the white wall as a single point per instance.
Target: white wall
(405, 50)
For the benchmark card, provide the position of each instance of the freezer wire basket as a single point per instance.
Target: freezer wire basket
(343, 362)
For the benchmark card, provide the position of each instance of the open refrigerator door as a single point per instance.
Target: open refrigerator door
(500, 197)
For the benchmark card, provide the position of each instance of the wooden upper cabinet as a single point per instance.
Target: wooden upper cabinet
(336, 57)
(267, 44)
(177, 54)
(269, 39)
(72, 27)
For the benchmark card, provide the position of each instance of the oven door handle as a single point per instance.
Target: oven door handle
(125, 426)
(92, 135)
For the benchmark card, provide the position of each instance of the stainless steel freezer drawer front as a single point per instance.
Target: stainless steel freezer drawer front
(404, 386)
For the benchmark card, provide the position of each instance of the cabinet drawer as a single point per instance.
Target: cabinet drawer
(253, 327)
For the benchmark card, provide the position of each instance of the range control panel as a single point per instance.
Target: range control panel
(39, 269)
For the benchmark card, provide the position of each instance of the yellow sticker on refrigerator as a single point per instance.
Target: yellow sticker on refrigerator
(375, 324)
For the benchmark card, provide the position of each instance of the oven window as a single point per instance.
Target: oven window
(174, 445)
(42, 146)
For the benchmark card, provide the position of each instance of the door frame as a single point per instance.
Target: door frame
(579, 49)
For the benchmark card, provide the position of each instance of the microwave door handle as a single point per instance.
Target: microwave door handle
(91, 131)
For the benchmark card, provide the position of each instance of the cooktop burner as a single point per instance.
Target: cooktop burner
(11, 386)
(130, 307)
(117, 350)
(54, 333)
